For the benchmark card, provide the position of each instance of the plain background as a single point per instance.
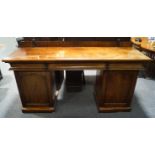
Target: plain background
(98, 18)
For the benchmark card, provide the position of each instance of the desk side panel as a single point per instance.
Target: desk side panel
(36, 89)
(114, 89)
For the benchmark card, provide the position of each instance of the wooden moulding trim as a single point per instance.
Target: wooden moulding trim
(28, 69)
(106, 66)
(125, 67)
(28, 66)
(115, 104)
(113, 109)
(147, 50)
(38, 109)
(75, 66)
(69, 43)
(77, 61)
(82, 66)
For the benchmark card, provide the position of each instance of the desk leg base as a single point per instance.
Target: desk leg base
(114, 89)
(38, 109)
(114, 109)
(101, 108)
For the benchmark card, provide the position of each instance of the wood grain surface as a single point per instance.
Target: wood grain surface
(76, 53)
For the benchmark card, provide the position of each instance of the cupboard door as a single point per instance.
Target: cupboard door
(36, 88)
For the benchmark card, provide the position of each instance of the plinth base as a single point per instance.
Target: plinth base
(114, 109)
(38, 109)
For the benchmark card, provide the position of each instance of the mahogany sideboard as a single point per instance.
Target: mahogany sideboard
(117, 67)
(74, 80)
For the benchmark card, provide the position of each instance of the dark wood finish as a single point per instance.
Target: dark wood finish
(77, 55)
(74, 79)
(74, 42)
(37, 90)
(114, 90)
(43, 42)
(118, 68)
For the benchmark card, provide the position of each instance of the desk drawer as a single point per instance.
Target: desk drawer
(125, 66)
(27, 66)
(76, 66)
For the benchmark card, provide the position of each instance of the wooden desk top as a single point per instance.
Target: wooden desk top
(145, 44)
(48, 54)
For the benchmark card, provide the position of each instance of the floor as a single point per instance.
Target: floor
(71, 105)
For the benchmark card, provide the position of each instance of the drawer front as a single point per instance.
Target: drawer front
(76, 66)
(125, 66)
(28, 66)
